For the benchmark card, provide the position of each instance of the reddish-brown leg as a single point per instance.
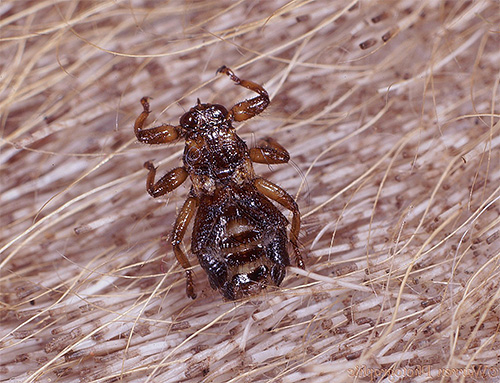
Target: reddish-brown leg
(268, 151)
(277, 194)
(180, 226)
(165, 184)
(248, 108)
(156, 135)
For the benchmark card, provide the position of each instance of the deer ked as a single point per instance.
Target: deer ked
(239, 236)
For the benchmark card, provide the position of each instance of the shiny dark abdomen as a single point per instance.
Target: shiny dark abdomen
(264, 240)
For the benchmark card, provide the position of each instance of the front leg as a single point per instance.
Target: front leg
(248, 108)
(268, 151)
(277, 194)
(156, 135)
(165, 184)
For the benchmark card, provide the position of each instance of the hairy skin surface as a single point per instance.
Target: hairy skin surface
(389, 111)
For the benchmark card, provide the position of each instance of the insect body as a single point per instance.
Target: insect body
(239, 235)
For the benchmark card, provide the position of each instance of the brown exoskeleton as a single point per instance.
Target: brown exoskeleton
(239, 236)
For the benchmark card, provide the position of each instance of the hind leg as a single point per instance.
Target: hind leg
(277, 253)
(275, 193)
(180, 226)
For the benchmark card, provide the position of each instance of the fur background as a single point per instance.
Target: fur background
(389, 110)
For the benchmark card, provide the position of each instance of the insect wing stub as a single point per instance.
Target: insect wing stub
(239, 236)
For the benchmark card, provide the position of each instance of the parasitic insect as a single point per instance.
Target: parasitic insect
(239, 236)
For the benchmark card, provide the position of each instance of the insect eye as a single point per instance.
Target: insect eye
(188, 120)
(220, 112)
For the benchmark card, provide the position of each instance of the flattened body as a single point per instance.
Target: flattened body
(240, 240)
(239, 236)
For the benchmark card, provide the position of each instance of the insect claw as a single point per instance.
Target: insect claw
(149, 165)
(222, 69)
(145, 104)
(227, 71)
(190, 285)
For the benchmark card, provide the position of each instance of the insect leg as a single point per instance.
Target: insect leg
(248, 108)
(277, 194)
(276, 252)
(180, 226)
(268, 151)
(165, 184)
(156, 135)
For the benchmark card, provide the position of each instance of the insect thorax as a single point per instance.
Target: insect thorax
(217, 160)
